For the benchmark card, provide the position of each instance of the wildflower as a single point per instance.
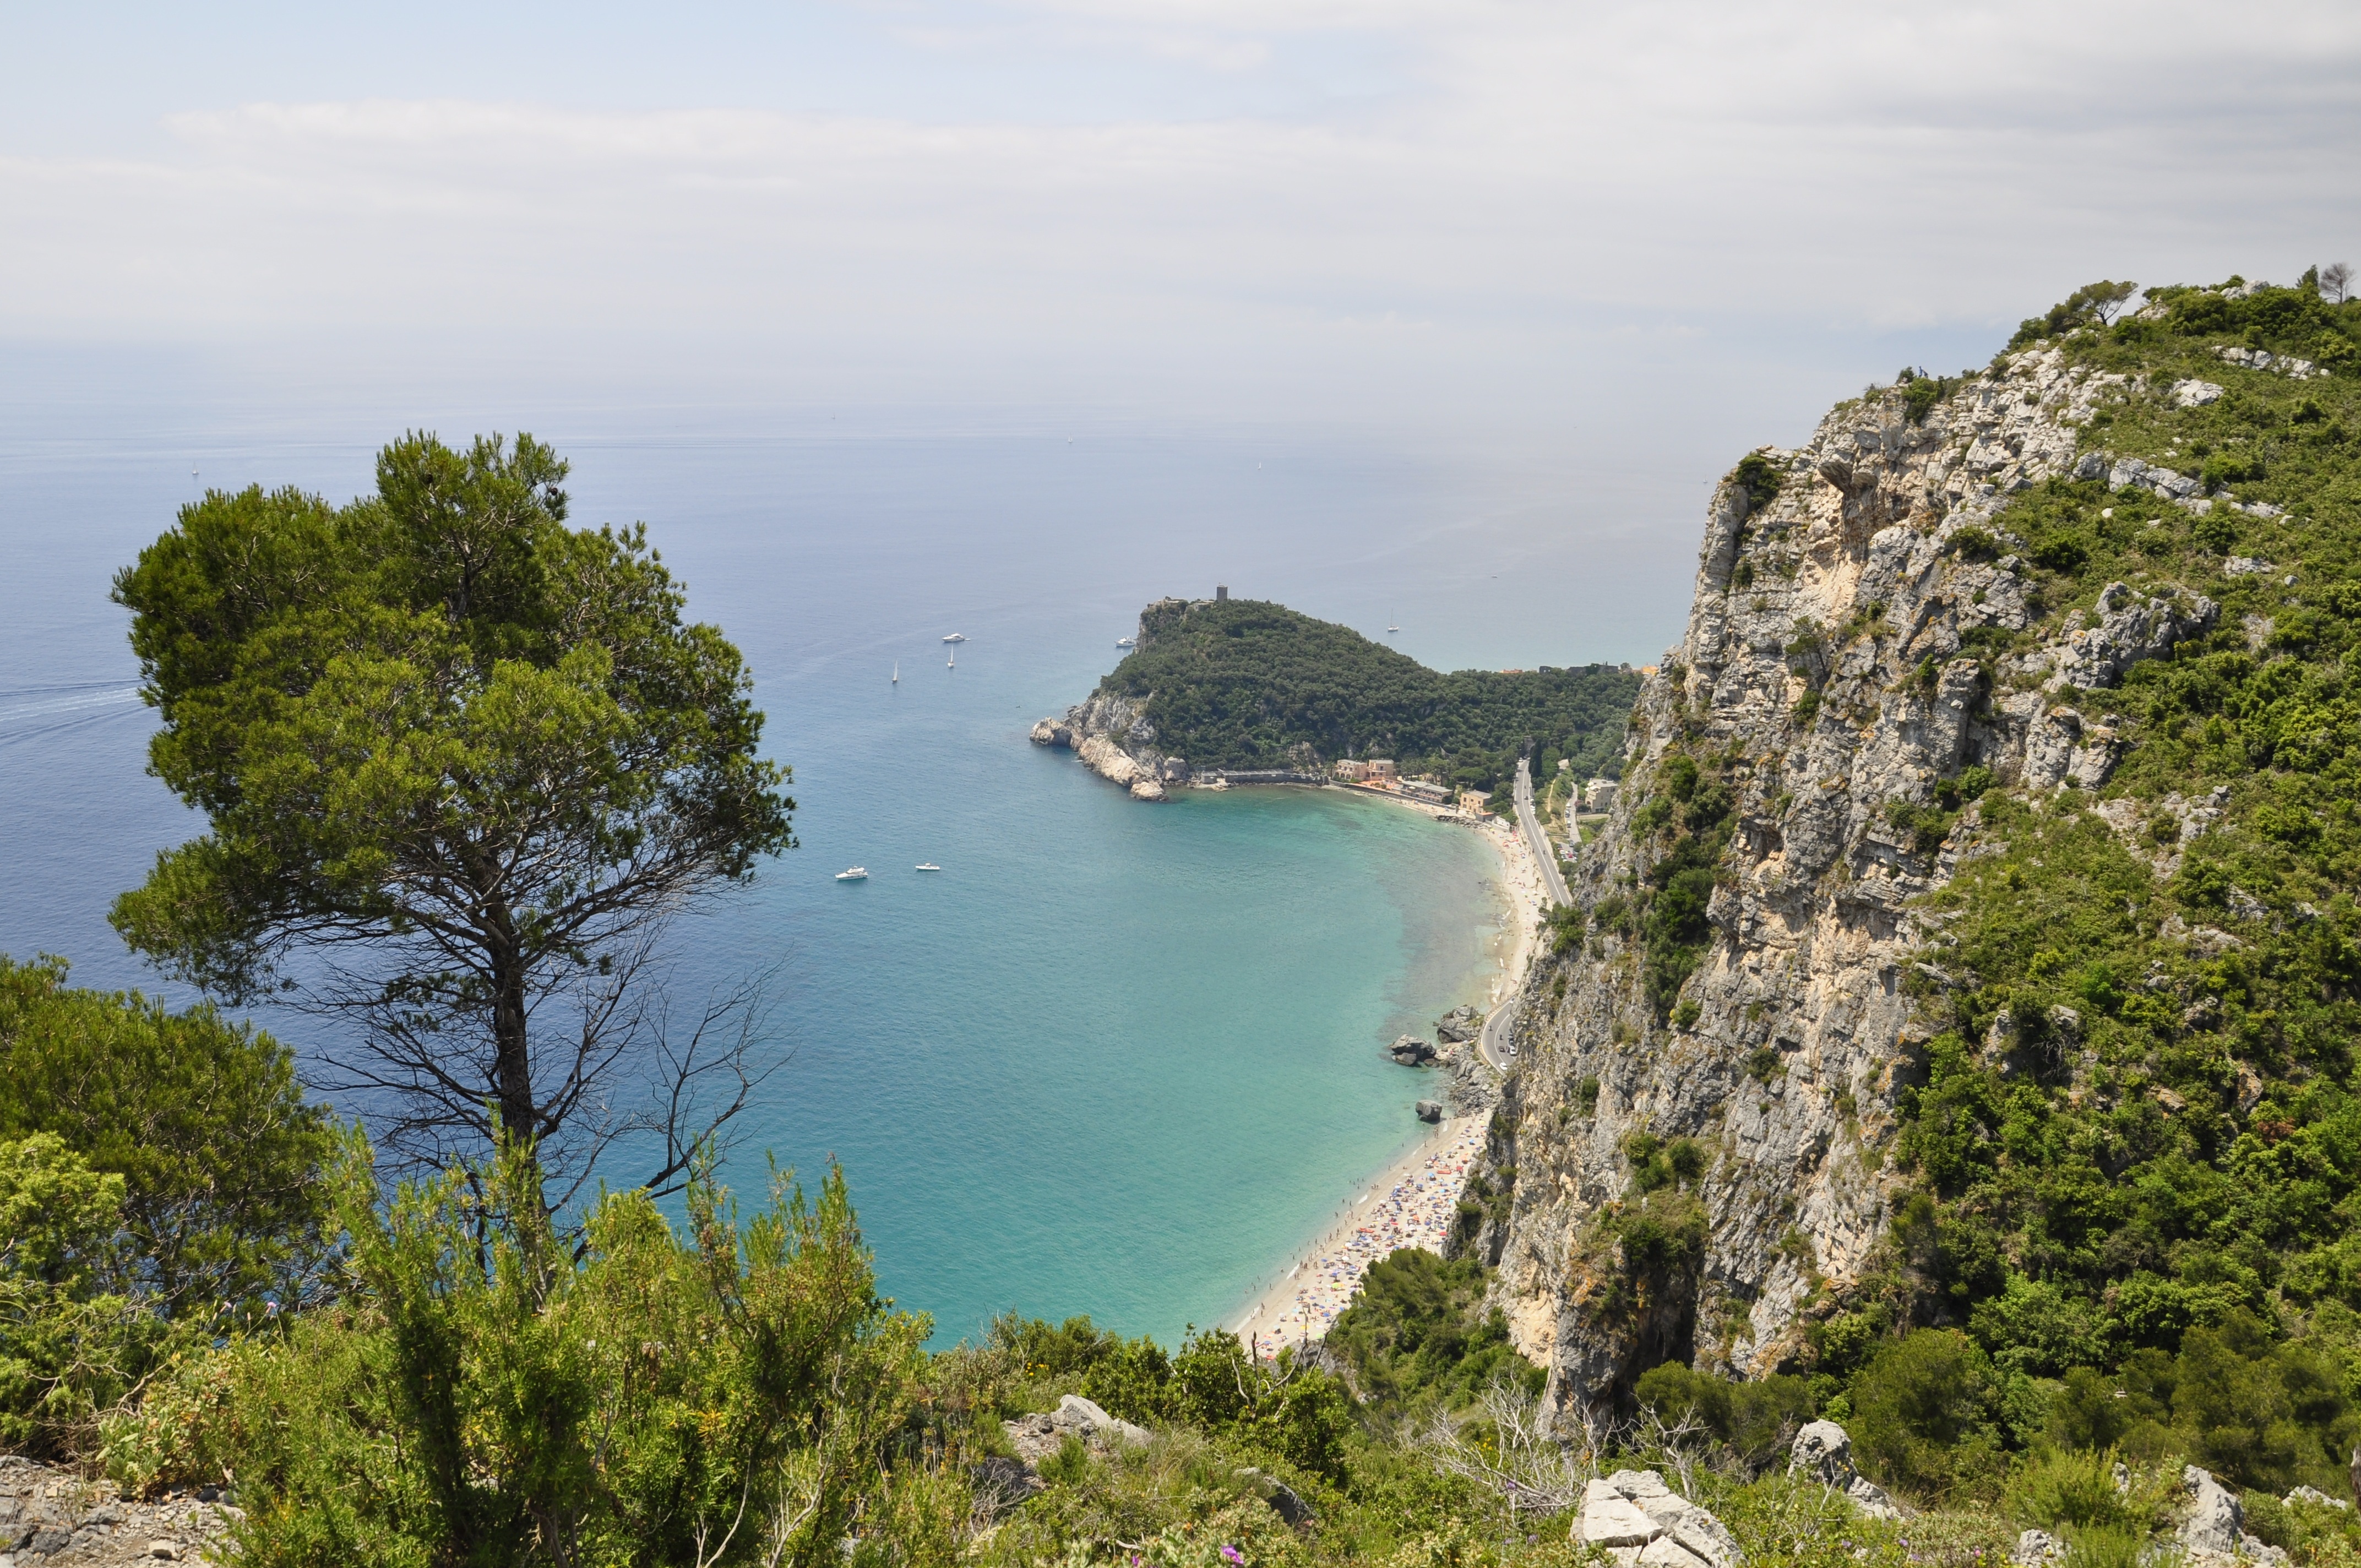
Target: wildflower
(1231, 1554)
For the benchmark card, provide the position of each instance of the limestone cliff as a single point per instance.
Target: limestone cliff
(1111, 735)
(1849, 654)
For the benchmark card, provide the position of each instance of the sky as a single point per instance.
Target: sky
(1621, 237)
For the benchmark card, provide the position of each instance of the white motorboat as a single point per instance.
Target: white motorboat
(956, 637)
(1124, 643)
(853, 873)
(928, 866)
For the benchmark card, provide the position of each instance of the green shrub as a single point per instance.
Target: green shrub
(1069, 1465)
(489, 1393)
(1755, 1420)
(1759, 479)
(221, 1196)
(1927, 1414)
(1974, 544)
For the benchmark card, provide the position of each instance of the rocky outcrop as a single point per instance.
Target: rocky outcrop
(1459, 1025)
(1410, 1051)
(1833, 677)
(1640, 1522)
(1113, 738)
(1823, 1453)
(2132, 627)
(1038, 1436)
(47, 1513)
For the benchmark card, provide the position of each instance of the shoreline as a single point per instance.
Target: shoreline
(1413, 1199)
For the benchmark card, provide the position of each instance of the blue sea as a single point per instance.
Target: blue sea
(1115, 1059)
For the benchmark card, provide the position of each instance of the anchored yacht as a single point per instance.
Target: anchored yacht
(854, 874)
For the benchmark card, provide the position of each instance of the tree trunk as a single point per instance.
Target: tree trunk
(511, 1063)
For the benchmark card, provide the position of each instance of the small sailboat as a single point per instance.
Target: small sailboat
(928, 866)
(853, 873)
(956, 637)
(1393, 629)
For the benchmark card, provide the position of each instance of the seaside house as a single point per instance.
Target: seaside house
(1598, 794)
(1351, 771)
(1379, 770)
(1427, 790)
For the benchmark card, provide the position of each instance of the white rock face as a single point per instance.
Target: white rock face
(1645, 1524)
(2193, 394)
(1862, 581)
(2214, 1519)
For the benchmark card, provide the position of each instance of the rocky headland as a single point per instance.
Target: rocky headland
(1831, 673)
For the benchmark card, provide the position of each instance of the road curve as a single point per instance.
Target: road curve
(1493, 1042)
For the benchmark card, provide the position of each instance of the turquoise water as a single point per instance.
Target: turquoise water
(1115, 1059)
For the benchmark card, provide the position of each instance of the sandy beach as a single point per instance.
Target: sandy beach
(1413, 1202)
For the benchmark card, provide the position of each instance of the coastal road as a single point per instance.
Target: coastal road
(1552, 879)
(1493, 1042)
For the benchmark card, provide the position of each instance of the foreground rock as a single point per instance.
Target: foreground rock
(1642, 1523)
(1823, 1451)
(46, 1514)
(1036, 1437)
(2212, 1529)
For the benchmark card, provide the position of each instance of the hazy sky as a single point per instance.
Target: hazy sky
(1670, 226)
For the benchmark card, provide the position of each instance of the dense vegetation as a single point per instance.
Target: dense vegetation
(1242, 684)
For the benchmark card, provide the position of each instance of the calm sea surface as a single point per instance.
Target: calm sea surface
(1115, 1060)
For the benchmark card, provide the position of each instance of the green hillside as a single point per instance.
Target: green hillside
(1245, 684)
(2142, 1209)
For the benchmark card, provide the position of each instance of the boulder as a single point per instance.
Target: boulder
(1410, 1051)
(1144, 788)
(1079, 1414)
(2212, 1519)
(1643, 1523)
(1045, 733)
(1282, 1498)
(1823, 1451)
(1037, 1436)
(1430, 1110)
(2036, 1548)
(1459, 1025)
(2315, 1497)
(1005, 1482)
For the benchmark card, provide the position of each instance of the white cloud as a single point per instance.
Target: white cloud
(1550, 172)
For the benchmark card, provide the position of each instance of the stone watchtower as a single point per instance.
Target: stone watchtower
(1221, 593)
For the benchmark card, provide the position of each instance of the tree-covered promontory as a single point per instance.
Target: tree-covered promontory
(1248, 684)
